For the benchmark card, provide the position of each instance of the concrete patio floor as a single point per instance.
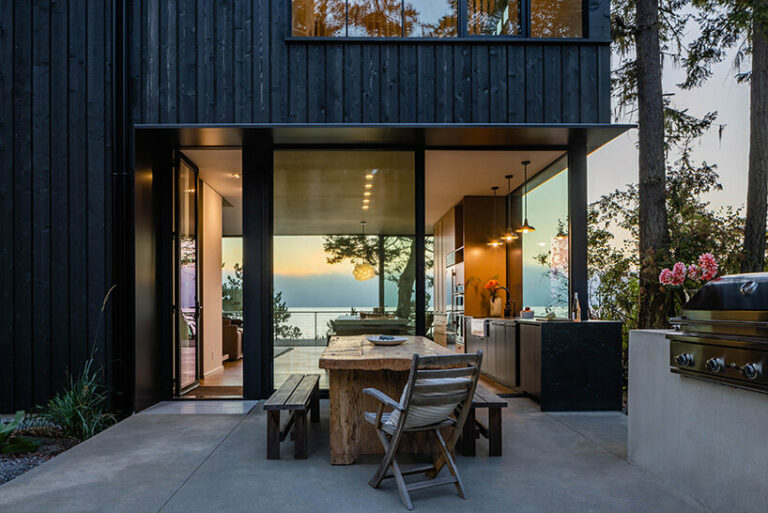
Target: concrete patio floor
(210, 456)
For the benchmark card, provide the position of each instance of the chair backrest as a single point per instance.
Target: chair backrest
(437, 386)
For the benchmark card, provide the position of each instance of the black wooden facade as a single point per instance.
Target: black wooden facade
(77, 75)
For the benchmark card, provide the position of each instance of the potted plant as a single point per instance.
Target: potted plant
(496, 306)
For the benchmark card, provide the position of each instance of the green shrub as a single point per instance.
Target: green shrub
(81, 409)
(10, 443)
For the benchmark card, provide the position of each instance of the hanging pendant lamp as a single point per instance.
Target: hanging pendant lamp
(495, 242)
(526, 228)
(509, 234)
(364, 271)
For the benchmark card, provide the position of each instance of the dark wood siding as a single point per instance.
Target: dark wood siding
(55, 166)
(248, 70)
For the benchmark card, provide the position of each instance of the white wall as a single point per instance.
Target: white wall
(210, 279)
(706, 440)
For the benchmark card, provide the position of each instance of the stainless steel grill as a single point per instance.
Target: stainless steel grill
(722, 333)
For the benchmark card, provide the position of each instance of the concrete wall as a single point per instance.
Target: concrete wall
(210, 241)
(707, 440)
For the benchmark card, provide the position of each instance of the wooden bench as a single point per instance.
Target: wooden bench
(473, 428)
(298, 394)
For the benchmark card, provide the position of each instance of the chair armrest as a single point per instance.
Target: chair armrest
(382, 398)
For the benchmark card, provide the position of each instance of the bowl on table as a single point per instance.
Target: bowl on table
(386, 340)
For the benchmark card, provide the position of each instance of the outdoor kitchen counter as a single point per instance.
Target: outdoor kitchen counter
(565, 365)
(353, 364)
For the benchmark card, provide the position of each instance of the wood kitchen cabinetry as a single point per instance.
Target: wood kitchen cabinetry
(499, 349)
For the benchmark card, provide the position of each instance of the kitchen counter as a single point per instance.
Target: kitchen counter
(565, 365)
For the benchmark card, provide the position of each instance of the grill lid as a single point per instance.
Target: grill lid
(733, 292)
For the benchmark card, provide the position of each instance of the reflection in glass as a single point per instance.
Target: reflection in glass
(545, 251)
(187, 229)
(377, 18)
(493, 17)
(319, 18)
(556, 18)
(430, 18)
(319, 241)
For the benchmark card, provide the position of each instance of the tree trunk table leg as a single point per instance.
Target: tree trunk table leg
(494, 431)
(314, 405)
(300, 438)
(273, 435)
(467, 442)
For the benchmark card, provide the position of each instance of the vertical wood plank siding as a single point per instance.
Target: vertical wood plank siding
(232, 60)
(198, 61)
(55, 192)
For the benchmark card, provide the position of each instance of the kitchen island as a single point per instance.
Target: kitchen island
(564, 365)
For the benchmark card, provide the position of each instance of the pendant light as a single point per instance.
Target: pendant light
(495, 243)
(364, 271)
(526, 227)
(509, 234)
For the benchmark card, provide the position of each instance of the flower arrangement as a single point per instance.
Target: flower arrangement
(704, 271)
(493, 286)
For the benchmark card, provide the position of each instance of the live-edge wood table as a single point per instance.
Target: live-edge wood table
(353, 364)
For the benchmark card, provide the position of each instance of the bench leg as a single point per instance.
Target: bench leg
(273, 435)
(494, 431)
(300, 433)
(467, 442)
(314, 405)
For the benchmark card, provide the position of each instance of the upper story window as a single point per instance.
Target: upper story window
(437, 18)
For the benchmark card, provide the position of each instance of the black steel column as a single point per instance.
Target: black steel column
(382, 280)
(577, 220)
(421, 303)
(258, 339)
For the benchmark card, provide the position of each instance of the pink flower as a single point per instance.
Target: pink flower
(665, 277)
(694, 272)
(708, 266)
(678, 273)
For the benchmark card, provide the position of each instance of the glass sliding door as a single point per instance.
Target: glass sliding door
(343, 246)
(187, 305)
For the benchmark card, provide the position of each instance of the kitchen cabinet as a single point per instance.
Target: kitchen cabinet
(499, 350)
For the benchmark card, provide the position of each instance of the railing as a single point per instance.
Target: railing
(310, 322)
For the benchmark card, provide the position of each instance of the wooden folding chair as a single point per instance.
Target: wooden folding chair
(438, 394)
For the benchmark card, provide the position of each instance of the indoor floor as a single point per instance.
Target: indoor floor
(202, 456)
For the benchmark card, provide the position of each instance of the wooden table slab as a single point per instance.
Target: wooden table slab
(353, 364)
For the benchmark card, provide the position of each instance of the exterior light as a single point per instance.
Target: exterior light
(367, 193)
(369, 186)
(365, 207)
(366, 200)
(369, 176)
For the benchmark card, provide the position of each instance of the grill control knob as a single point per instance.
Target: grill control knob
(684, 360)
(714, 364)
(751, 370)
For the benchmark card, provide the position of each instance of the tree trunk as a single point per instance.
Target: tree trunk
(757, 188)
(405, 284)
(654, 234)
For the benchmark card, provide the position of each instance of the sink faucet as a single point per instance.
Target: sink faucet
(508, 304)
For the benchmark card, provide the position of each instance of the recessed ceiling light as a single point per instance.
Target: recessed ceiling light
(366, 200)
(367, 193)
(192, 189)
(369, 176)
(369, 186)
(365, 207)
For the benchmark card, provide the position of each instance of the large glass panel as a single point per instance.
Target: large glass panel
(430, 18)
(545, 251)
(556, 18)
(343, 251)
(493, 17)
(319, 18)
(379, 18)
(187, 233)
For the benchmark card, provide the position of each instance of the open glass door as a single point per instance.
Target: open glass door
(187, 310)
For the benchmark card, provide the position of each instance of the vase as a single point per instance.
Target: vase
(497, 307)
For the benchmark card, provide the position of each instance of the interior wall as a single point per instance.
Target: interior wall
(210, 279)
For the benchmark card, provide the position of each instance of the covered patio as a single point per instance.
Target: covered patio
(201, 456)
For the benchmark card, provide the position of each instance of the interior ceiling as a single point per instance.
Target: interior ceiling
(322, 192)
(217, 167)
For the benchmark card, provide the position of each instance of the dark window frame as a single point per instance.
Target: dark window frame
(462, 35)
